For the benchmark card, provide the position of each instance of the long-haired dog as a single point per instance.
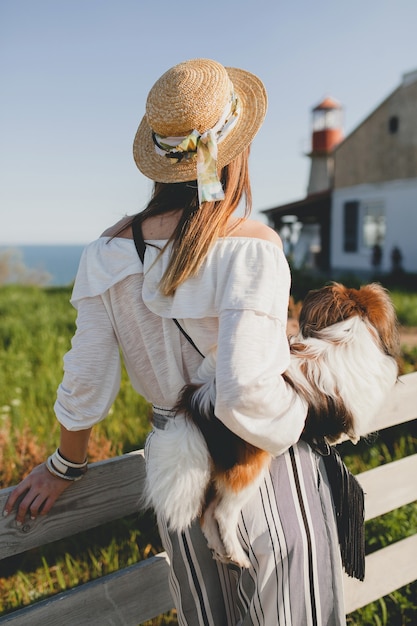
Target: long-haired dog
(343, 362)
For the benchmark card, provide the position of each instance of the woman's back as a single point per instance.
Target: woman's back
(235, 276)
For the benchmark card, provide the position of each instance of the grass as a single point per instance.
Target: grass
(406, 306)
(35, 332)
(36, 326)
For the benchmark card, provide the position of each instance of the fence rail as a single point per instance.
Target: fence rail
(139, 592)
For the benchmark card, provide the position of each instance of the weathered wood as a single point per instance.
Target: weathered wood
(389, 486)
(401, 406)
(386, 570)
(110, 490)
(126, 598)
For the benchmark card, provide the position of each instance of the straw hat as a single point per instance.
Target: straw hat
(192, 96)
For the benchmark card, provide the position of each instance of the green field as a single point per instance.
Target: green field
(36, 325)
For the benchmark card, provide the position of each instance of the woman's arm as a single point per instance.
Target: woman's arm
(91, 381)
(40, 489)
(90, 384)
(252, 398)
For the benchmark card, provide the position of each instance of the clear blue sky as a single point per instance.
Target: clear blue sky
(75, 75)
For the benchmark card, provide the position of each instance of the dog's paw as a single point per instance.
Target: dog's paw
(241, 560)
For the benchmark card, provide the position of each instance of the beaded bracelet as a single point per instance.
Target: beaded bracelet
(62, 468)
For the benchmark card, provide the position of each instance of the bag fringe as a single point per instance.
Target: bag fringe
(349, 503)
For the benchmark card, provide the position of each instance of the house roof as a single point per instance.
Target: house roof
(310, 204)
(407, 79)
(383, 147)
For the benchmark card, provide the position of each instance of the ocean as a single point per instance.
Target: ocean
(59, 261)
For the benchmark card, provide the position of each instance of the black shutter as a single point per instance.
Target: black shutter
(350, 223)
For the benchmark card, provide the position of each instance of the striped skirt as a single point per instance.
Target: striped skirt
(289, 533)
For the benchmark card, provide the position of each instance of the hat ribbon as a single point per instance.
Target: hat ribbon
(205, 146)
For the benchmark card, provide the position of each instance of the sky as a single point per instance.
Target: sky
(75, 74)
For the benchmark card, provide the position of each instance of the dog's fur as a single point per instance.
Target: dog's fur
(343, 362)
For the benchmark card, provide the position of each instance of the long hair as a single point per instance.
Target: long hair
(199, 226)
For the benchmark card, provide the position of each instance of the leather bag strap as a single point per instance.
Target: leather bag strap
(140, 248)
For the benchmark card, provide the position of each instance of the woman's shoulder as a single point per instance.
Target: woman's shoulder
(122, 228)
(256, 230)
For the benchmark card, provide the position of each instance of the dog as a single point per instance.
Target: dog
(343, 362)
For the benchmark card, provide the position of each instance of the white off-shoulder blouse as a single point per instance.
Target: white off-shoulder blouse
(235, 310)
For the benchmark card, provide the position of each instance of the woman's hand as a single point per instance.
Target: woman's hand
(40, 489)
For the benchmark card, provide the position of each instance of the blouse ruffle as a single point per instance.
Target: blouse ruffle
(239, 273)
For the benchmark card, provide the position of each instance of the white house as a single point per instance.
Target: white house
(360, 212)
(374, 197)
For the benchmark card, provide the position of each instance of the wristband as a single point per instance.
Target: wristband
(61, 467)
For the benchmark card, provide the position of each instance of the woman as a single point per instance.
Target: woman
(226, 282)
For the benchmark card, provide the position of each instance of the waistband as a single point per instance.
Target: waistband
(161, 417)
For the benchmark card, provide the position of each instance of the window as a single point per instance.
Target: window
(393, 124)
(327, 118)
(374, 225)
(350, 226)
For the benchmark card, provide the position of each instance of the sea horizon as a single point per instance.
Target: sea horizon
(59, 261)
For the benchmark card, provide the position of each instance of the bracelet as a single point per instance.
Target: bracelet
(61, 467)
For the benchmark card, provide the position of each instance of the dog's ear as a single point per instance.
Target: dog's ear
(328, 417)
(226, 449)
(334, 303)
(324, 307)
(376, 306)
(185, 399)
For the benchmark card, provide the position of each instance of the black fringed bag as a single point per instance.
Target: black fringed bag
(349, 504)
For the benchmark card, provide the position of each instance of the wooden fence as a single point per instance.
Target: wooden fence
(111, 490)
